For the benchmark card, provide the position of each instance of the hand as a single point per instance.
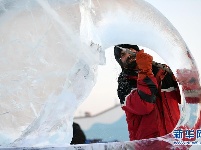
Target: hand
(190, 84)
(144, 62)
(188, 78)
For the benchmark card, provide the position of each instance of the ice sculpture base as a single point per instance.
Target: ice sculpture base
(128, 145)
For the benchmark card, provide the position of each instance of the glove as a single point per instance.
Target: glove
(144, 63)
(190, 84)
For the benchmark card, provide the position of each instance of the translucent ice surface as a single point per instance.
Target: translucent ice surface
(49, 54)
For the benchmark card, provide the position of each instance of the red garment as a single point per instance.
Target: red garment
(152, 118)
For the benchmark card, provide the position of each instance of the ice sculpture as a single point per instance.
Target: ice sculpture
(50, 51)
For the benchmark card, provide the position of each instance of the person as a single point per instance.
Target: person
(78, 135)
(148, 93)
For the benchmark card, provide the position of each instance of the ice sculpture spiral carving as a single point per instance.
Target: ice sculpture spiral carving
(49, 48)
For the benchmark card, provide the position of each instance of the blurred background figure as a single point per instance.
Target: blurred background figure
(78, 135)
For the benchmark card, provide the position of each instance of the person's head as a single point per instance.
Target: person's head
(125, 60)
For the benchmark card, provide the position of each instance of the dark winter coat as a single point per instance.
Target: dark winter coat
(151, 104)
